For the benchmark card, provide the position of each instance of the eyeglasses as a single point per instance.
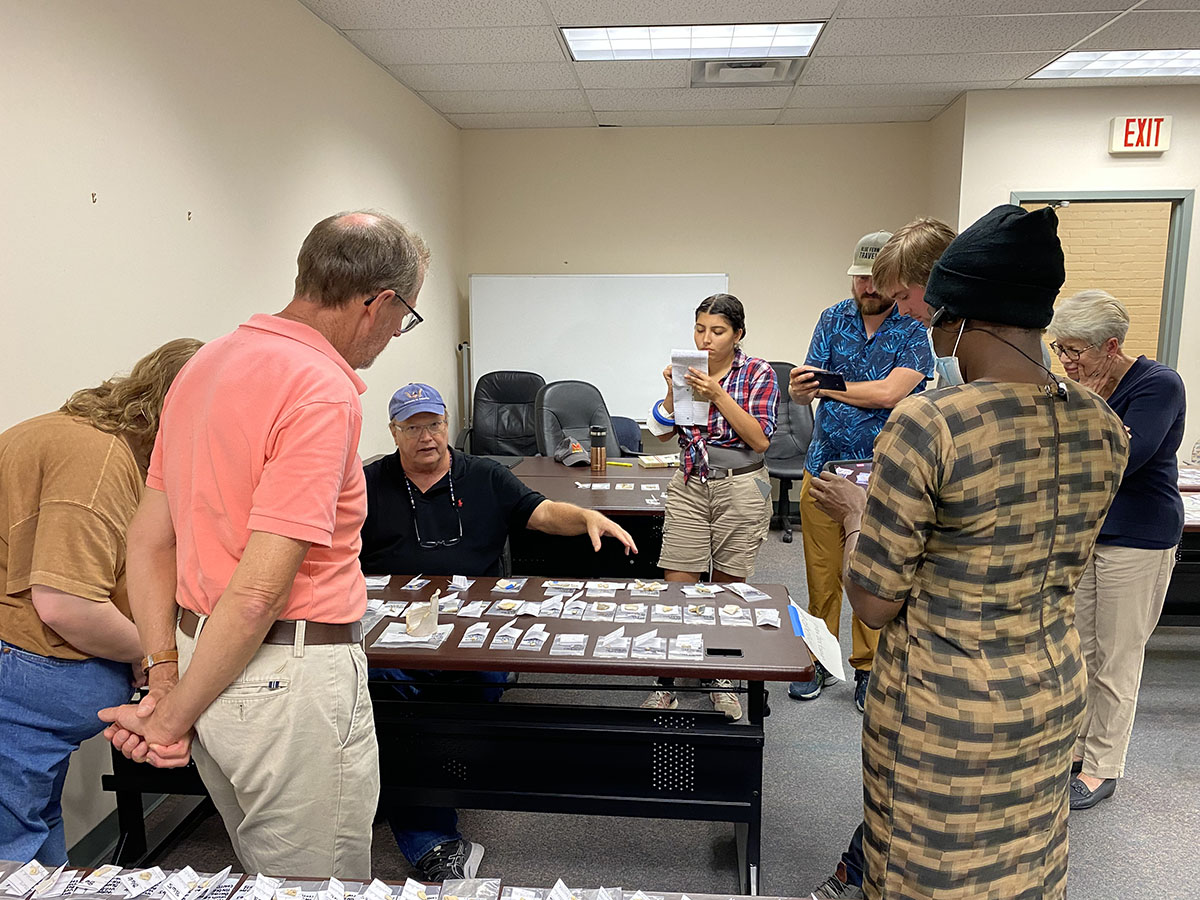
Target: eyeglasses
(1070, 352)
(413, 431)
(411, 321)
(433, 545)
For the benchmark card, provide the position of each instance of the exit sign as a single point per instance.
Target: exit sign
(1140, 134)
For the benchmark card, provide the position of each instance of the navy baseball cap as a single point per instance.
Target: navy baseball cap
(415, 398)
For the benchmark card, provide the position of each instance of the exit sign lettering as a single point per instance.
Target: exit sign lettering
(1140, 134)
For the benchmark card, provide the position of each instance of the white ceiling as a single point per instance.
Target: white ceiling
(501, 63)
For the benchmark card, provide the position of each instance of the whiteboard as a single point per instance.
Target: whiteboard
(614, 331)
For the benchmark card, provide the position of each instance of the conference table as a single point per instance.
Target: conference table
(1182, 603)
(635, 498)
(540, 749)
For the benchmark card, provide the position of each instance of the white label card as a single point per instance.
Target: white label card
(26, 878)
(560, 892)
(413, 890)
(137, 883)
(98, 879)
(264, 887)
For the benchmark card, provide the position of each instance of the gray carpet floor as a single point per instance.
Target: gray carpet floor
(1140, 843)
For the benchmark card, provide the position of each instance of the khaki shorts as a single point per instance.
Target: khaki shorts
(723, 522)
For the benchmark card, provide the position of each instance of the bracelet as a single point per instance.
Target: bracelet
(659, 415)
(162, 656)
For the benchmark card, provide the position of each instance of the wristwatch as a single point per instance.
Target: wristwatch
(162, 656)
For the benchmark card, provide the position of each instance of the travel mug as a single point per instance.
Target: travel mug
(599, 436)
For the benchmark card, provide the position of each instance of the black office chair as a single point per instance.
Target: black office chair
(502, 418)
(572, 408)
(788, 449)
(629, 434)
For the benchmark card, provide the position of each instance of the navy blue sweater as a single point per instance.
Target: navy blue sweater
(1148, 511)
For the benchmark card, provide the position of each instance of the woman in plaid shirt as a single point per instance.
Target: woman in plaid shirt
(719, 502)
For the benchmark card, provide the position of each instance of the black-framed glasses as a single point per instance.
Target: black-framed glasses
(433, 545)
(411, 320)
(1070, 352)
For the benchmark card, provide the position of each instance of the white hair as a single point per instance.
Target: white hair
(1092, 316)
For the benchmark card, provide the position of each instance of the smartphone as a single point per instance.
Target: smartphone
(856, 470)
(829, 381)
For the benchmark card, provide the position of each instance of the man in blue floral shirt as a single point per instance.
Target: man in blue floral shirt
(884, 356)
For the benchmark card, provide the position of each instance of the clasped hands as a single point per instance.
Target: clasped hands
(141, 732)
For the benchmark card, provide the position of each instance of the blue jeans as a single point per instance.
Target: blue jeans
(48, 708)
(418, 829)
(853, 857)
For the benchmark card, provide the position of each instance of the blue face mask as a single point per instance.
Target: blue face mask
(946, 367)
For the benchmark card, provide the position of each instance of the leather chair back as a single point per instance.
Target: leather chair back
(502, 418)
(571, 408)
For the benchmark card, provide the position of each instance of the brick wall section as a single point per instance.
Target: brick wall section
(1120, 248)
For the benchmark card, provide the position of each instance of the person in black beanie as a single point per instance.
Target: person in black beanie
(984, 504)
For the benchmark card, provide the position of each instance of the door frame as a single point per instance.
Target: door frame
(1178, 237)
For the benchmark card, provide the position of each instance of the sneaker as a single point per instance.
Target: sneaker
(835, 886)
(660, 700)
(862, 677)
(725, 702)
(457, 859)
(809, 690)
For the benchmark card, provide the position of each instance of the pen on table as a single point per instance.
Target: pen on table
(629, 465)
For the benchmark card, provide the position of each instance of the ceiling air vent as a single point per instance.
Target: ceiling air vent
(745, 72)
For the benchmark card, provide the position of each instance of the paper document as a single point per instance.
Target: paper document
(395, 636)
(689, 409)
(822, 643)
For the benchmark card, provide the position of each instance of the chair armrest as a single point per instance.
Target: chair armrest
(462, 443)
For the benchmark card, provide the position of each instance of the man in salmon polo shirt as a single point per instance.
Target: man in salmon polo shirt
(248, 535)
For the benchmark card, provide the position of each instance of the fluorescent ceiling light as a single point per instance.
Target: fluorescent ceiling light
(787, 39)
(1123, 64)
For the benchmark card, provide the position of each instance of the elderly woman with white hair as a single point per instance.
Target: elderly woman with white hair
(1120, 596)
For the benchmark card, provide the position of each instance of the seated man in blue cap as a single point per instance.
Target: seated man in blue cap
(435, 511)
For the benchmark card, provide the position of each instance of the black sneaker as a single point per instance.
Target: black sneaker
(862, 677)
(835, 887)
(809, 690)
(452, 860)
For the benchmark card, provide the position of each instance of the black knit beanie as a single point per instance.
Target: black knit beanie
(1007, 268)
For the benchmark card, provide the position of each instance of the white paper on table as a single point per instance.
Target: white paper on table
(374, 582)
(474, 609)
(289, 893)
(558, 584)
(701, 590)
(643, 640)
(569, 645)
(822, 643)
(265, 887)
(531, 608)
(651, 586)
(650, 486)
(210, 883)
(179, 884)
(606, 585)
(335, 890)
(97, 880)
(560, 892)
(458, 583)
(613, 636)
(535, 638)
(55, 883)
(551, 607)
(476, 635)
(507, 637)
(509, 585)
(625, 486)
(136, 883)
(413, 890)
(395, 636)
(377, 890)
(749, 593)
(25, 878)
(767, 617)
(415, 583)
(601, 486)
(732, 614)
(689, 409)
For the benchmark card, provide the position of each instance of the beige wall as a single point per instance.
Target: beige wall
(1057, 139)
(255, 117)
(946, 133)
(779, 209)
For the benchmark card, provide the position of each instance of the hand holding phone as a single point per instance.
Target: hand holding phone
(828, 381)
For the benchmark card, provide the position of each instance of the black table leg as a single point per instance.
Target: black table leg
(131, 827)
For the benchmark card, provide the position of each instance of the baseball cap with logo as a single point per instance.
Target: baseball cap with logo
(570, 452)
(868, 248)
(415, 398)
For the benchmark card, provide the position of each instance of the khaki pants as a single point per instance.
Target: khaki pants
(824, 545)
(289, 757)
(723, 522)
(1117, 605)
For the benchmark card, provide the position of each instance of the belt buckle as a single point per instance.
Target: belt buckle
(717, 473)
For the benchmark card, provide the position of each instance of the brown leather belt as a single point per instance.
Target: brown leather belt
(716, 473)
(284, 631)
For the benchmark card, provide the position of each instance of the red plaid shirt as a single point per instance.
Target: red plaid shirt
(752, 384)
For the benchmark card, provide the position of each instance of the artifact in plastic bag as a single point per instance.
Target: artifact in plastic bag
(471, 889)
(666, 612)
(631, 612)
(699, 614)
(732, 614)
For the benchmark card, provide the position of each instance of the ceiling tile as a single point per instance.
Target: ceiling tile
(687, 12)
(635, 73)
(973, 34)
(950, 67)
(690, 117)
(524, 120)
(459, 45)
(1193, 5)
(1149, 31)
(817, 96)
(429, 13)
(691, 98)
(543, 76)
(870, 9)
(507, 101)
(859, 114)
(1072, 83)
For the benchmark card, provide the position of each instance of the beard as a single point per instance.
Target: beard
(872, 304)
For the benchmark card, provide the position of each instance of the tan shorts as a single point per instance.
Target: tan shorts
(723, 522)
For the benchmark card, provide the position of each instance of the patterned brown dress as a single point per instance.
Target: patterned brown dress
(983, 506)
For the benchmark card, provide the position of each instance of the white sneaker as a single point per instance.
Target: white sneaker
(724, 701)
(661, 700)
